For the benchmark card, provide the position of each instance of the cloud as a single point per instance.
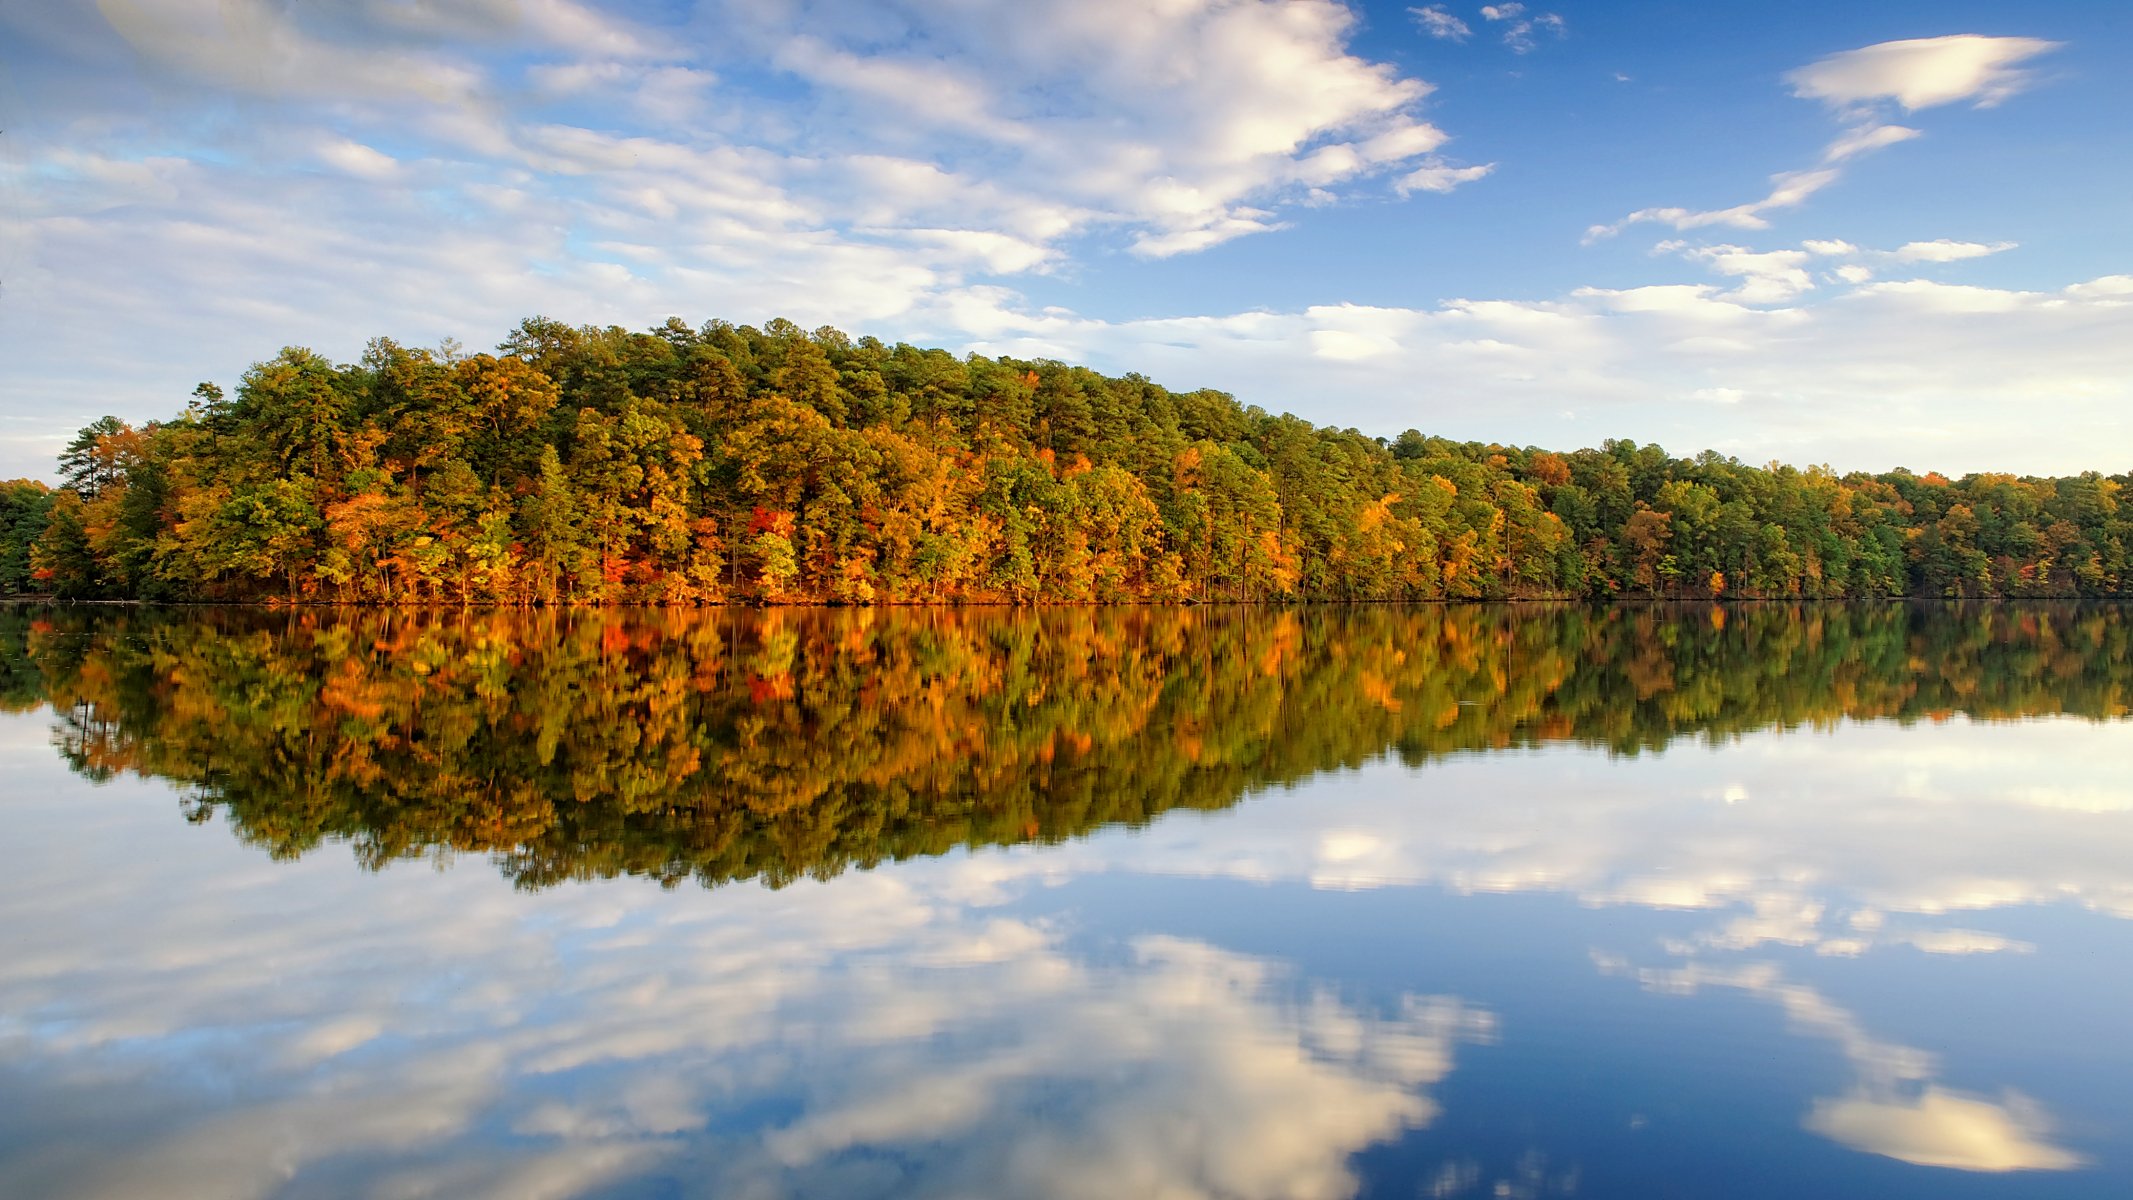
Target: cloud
(1896, 1108)
(1439, 177)
(1941, 1128)
(427, 171)
(263, 48)
(1519, 27)
(1862, 377)
(1922, 73)
(1865, 263)
(499, 157)
(1865, 139)
(1916, 74)
(1865, 377)
(734, 1042)
(1185, 125)
(1767, 277)
(1795, 856)
(358, 159)
(749, 1041)
(1944, 251)
(1778, 276)
(664, 94)
(937, 93)
(1439, 23)
(1788, 189)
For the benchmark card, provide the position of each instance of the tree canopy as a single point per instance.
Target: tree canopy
(685, 465)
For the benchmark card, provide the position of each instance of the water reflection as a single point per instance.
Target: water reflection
(1895, 1107)
(731, 745)
(883, 1037)
(1709, 938)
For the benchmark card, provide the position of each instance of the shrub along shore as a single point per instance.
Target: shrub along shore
(580, 465)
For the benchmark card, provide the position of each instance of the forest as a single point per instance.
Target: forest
(730, 464)
(728, 744)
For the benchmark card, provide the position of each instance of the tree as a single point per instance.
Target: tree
(683, 465)
(63, 560)
(96, 458)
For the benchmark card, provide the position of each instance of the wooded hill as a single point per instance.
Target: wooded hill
(728, 463)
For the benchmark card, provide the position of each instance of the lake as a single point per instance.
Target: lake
(1492, 901)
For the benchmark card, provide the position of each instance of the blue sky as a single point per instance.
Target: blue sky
(1866, 235)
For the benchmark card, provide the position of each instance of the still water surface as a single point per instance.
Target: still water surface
(1489, 901)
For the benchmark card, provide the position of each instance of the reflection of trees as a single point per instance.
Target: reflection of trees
(729, 745)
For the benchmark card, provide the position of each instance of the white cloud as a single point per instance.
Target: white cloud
(1865, 139)
(1941, 1128)
(1945, 251)
(1896, 1108)
(934, 92)
(774, 1042)
(358, 159)
(1917, 74)
(1865, 262)
(1173, 122)
(259, 47)
(1440, 177)
(742, 1041)
(1438, 22)
(508, 156)
(1186, 124)
(1866, 377)
(667, 94)
(913, 160)
(1788, 189)
(1519, 27)
(1767, 277)
(1922, 72)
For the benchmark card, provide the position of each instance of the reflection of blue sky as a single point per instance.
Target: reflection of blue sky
(1837, 842)
(1895, 1106)
(1179, 1008)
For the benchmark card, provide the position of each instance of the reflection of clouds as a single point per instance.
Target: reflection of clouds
(427, 1033)
(1939, 1128)
(436, 1034)
(252, 1151)
(1894, 1108)
(1922, 821)
(1530, 1178)
(1785, 919)
(1183, 1074)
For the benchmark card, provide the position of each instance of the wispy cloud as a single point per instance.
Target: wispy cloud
(1520, 25)
(457, 166)
(1438, 177)
(1864, 377)
(1896, 1106)
(1856, 84)
(1922, 73)
(1438, 22)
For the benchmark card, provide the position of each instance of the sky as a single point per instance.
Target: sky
(1869, 236)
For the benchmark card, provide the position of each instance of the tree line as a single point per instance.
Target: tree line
(728, 744)
(582, 465)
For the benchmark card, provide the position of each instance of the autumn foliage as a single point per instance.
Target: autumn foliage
(729, 744)
(726, 463)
